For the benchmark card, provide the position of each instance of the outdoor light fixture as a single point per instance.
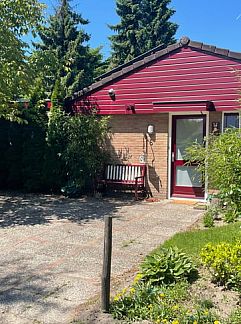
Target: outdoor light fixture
(150, 133)
(131, 108)
(150, 129)
(215, 128)
(112, 94)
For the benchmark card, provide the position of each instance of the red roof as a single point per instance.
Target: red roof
(188, 75)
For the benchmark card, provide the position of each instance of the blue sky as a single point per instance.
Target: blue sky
(215, 22)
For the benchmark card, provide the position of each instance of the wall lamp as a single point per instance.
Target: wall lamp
(150, 129)
(149, 134)
(216, 128)
(111, 93)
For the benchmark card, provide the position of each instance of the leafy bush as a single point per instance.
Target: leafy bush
(231, 213)
(78, 146)
(167, 266)
(224, 262)
(220, 160)
(72, 190)
(70, 158)
(85, 153)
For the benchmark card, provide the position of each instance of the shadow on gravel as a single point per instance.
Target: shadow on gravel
(31, 209)
(23, 288)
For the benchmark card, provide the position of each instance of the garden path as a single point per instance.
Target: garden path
(51, 249)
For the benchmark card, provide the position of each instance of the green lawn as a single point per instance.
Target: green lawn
(181, 302)
(193, 241)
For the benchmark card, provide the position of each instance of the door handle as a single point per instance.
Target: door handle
(173, 156)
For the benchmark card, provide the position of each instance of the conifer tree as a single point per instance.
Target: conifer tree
(144, 25)
(156, 27)
(75, 62)
(126, 44)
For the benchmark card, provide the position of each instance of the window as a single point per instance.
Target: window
(231, 120)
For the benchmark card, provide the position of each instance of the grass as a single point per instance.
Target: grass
(192, 242)
(182, 302)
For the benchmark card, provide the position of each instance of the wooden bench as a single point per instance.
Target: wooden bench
(126, 175)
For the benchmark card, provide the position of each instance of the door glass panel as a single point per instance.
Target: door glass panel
(188, 131)
(188, 176)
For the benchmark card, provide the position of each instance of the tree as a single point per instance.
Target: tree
(64, 43)
(17, 19)
(144, 25)
(125, 44)
(156, 27)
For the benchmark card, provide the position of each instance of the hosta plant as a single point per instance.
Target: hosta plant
(168, 265)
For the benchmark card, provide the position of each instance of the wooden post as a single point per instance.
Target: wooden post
(105, 293)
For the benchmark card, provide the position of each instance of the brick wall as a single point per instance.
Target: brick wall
(128, 142)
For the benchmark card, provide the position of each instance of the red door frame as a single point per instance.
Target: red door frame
(181, 191)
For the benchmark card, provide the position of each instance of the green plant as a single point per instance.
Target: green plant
(159, 304)
(84, 154)
(220, 161)
(231, 214)
(192, 242)
(145, 301)
(76, 150)
(208, 219)
(224, 262)
(235, 317)
(18, 18)
(168, 265)
(143, 25)
(206, 303)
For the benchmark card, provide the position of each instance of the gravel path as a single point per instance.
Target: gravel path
(51, 250)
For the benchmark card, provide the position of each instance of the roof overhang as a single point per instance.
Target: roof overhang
(179, 106)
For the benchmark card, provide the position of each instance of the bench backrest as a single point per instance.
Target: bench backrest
(125, 173)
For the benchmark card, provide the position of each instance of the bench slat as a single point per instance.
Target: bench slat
(126, 173)
(114, 172)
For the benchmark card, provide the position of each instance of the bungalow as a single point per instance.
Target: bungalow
(161, 102)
